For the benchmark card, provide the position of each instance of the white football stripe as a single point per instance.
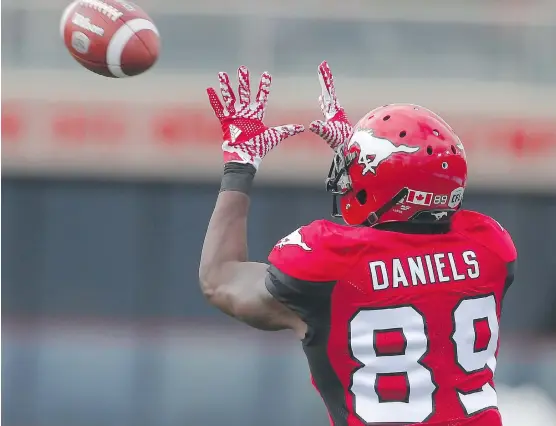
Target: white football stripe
(65, 15)
(119, 40)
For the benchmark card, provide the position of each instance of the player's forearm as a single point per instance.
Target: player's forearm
(226, 238)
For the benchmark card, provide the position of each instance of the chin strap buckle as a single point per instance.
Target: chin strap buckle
(375, 216)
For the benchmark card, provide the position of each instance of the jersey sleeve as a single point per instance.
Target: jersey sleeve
(312, 253)
(306, 298)
(500, 240)
(505, 247)
(492, 235)
(305, 266)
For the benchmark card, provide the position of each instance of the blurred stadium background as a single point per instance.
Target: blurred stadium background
(108, 185)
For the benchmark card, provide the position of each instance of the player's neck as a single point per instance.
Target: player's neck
(414, 228)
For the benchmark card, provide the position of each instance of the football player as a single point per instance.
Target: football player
(397, 310)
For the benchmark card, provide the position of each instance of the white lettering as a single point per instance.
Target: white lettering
(85, 23)
(126, 5)
(457, 276)
(440, 266)
(416, 270)
(377, 284)
(399, 274)
(429, 268)
(395, 274)
(109, 11)
(470, 259)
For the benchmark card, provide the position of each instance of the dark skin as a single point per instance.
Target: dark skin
(229, 281)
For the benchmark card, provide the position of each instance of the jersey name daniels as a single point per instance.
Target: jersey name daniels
(426, 269)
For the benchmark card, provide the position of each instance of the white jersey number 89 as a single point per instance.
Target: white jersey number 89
(419, 405)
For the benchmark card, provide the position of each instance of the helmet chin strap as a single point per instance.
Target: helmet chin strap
(375, 216)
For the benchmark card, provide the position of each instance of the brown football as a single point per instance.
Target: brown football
(113, 38)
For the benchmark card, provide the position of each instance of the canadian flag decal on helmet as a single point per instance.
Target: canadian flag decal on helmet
(374, 150)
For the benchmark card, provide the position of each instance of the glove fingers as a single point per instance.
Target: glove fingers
(329, 102)
(244, 88)
(215, 103)
(264, 91)
(322, 105)
(321, 129)
(326, 132)
(228, 95)
(326, 83)
(318, 127)
(288, 130)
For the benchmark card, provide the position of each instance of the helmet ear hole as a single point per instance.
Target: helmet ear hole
(361, 196)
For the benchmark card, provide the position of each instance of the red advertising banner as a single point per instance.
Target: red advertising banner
(183, 141)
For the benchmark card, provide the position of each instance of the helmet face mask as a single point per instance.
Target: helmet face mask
(338, 181)
(402, 163)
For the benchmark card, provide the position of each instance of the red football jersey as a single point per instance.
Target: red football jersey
(402, 328)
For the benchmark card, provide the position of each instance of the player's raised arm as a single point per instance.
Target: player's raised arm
(228, 280)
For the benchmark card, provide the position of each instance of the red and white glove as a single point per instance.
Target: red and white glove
(336, 127)
(246, 139)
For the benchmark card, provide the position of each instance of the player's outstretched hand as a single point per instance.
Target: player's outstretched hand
(246, 139)
(336, 127)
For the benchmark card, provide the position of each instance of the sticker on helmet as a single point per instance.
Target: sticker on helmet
(439, 215)
(455, 197)
(440, 200)
(374, 150)
(419, 197)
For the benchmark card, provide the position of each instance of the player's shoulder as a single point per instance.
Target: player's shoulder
(319, 251)
(486, 231)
